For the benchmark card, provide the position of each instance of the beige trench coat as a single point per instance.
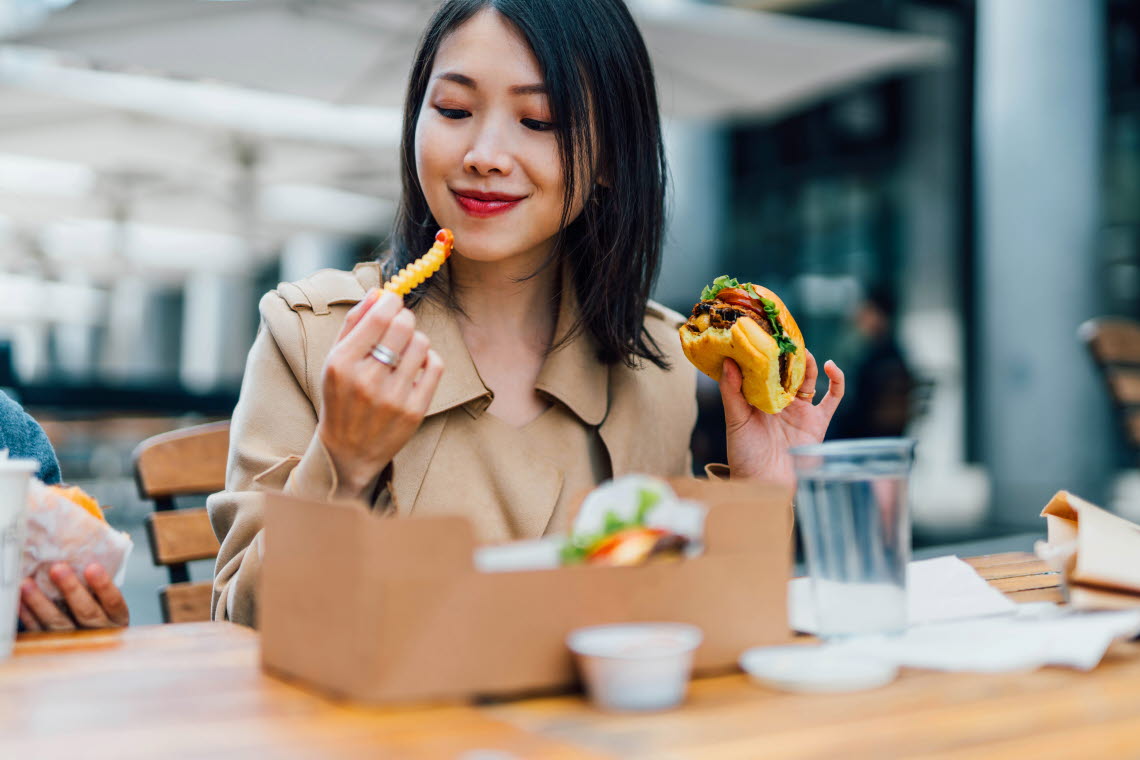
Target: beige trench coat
(645, 423)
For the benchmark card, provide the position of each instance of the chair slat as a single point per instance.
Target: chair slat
(996, 560)
(1113, 341)
(1125, 385)
(1014, 570)
(1027, 582)
(188, 461)
(183, 535)
(1055, 595)
(186, 602)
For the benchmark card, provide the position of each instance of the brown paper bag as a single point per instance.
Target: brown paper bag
(1097, 552)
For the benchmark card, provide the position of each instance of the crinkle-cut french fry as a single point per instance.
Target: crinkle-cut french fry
(414, 274)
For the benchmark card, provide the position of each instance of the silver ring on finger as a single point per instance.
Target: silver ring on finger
(385, 356)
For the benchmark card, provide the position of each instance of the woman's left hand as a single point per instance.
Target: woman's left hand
(758, 443)
(98, 604)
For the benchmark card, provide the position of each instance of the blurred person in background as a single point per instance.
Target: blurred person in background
(533, 365)
(882, 386)
(94, 601)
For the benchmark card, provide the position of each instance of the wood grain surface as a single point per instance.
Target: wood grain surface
(183, 691)
(186, 602)
(182, 535)
(187, 461)
(197, 691)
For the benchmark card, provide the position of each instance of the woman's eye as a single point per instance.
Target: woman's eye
(452, 113)
(538, 126)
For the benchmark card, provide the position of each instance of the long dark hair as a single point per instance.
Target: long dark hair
(598, 77)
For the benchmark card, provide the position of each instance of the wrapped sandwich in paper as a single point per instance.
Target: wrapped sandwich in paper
(1096, 552)
(624, 522)
(67, 525)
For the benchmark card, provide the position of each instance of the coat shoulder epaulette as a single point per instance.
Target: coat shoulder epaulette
(654, 310)
(329, 287)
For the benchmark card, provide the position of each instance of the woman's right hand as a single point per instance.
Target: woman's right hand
(368, 409)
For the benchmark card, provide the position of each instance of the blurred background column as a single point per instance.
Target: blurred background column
(138, 335)
(217, 325)
(696, 192)
(308, 252)
(1039, 118)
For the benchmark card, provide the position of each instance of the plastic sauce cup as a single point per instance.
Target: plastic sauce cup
(635, 667)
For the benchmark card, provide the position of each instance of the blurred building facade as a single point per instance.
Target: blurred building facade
(902, 183)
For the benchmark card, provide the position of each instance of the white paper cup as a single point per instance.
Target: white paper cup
(14, 477)
(636, 666)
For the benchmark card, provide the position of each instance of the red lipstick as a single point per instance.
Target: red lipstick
(483, 205)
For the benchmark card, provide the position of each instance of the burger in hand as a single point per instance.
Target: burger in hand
(750, 325)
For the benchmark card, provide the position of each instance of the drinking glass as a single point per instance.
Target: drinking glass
(851, 501)
(14, 477)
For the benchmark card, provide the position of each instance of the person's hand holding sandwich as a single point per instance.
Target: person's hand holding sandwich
(67, 586)
(93, 602)
(743, 336)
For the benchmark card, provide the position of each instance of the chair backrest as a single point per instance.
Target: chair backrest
(1115, 345)
(186, 462)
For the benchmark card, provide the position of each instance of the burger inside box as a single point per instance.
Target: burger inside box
(393, 609)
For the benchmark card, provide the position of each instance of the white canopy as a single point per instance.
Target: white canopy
(91, 147)
(711, 61)
(122, 123)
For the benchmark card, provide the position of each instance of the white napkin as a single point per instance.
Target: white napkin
(1038, 635)
(939, 589)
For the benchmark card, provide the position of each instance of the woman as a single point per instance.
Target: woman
(533, 366)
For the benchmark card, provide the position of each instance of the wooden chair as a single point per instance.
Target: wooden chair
(190, 461)
(1115, 345)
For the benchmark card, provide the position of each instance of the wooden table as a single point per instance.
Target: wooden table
(188, 691)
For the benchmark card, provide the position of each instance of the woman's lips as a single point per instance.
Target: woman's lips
(483, 205)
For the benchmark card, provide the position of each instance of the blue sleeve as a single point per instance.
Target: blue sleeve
(25, 439)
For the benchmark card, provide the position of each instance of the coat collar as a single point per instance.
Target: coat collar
(571, 375)
(460, 384)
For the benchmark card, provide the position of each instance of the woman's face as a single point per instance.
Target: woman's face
(486, 151)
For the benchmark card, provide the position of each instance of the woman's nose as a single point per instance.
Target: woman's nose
(488, 153)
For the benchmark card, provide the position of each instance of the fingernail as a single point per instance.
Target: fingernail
(387, 297)
(95, 573)
(28, 586)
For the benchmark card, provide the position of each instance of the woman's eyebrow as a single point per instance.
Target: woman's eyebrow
(463, 79)
(518, 89)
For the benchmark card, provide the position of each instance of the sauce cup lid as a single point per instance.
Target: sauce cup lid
(634, 641)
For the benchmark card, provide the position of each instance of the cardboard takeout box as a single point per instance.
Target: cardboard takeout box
(389, 609)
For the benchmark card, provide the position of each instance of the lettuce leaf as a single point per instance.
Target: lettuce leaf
(577, 548)
(719, 284)
(770, 309)
(772, 312)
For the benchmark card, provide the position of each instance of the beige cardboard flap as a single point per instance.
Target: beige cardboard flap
(1107, 546)
(1060, 519)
